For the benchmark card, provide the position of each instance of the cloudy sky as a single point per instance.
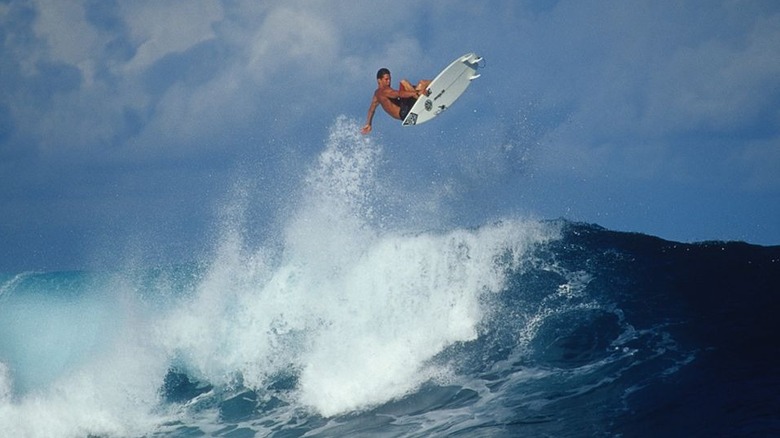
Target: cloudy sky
(126, 127)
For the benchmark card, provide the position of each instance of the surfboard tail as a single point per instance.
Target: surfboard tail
(473, 60)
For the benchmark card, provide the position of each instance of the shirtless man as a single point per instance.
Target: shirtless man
(396, 103)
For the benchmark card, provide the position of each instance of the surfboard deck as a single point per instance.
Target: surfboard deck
(444, 89)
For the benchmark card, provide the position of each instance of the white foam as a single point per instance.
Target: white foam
(352, 307)
(109, 387)
(357, 310)
(5, 385)
(407, 299)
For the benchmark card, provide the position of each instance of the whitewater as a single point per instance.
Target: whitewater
(357, 319)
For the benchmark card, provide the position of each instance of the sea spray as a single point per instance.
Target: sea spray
(405, 301)
(77, 358)
(337, 314)
(353, 310)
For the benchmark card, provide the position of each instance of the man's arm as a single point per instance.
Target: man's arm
(403, 94)
(371, 110)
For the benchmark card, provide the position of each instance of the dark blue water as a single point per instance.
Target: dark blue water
(342, 327)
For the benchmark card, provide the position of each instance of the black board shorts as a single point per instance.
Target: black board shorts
(406, 104)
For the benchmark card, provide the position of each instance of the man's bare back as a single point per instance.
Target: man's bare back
(396, 103)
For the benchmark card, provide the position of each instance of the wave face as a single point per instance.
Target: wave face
(355, 322)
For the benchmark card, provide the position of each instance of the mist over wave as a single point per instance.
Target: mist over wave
(355, 320)
(354, 311)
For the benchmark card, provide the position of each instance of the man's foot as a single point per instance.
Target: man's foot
(422, 87)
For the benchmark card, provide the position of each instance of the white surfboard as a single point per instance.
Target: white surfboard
(444, 90)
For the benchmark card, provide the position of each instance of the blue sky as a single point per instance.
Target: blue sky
(126, 127)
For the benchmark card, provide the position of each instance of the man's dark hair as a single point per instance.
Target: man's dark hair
(382, 71)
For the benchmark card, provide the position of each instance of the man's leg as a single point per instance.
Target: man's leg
(406, 86)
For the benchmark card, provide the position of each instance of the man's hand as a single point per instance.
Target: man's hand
(366, 129)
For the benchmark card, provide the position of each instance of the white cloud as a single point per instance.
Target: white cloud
(162, 28)
(716, 85)
(290, 35)
(63, 28)
(66, 37)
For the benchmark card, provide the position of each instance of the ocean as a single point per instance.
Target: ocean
(354, 320)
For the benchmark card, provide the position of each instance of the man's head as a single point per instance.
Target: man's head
(382, 71)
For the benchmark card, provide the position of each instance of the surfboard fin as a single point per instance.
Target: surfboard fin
(474, 60)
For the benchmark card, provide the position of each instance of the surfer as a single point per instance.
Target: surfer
(397, 103)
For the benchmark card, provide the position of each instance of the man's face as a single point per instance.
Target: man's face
(385, 80)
